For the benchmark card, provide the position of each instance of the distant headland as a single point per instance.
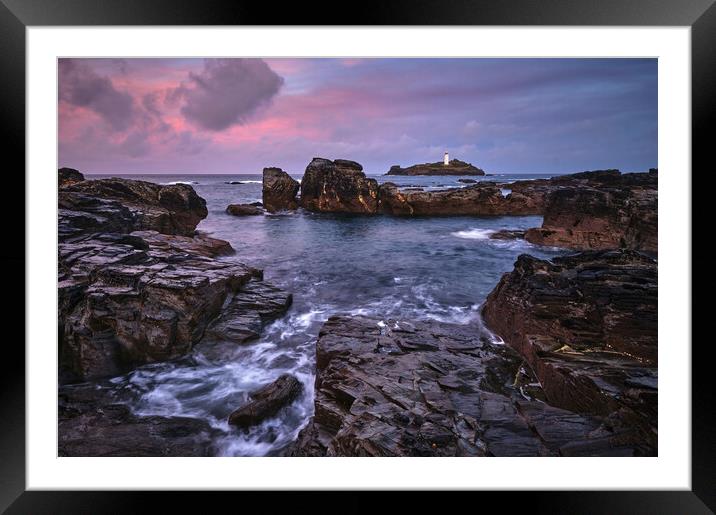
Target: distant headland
(446, 167)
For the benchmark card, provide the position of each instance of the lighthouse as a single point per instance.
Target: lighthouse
(446, 159)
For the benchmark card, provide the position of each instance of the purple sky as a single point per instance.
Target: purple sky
(241, 115)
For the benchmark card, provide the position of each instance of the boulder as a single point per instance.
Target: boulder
(171, 209)
(267, 402)
(586, 325)
(399, 388)
(467, 181)
(279, 190)
(338, 186)
(68, 177)
(244, 210)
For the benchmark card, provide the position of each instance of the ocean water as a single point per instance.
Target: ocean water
(419, 268)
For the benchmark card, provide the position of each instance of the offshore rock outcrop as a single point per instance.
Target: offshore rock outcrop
(129, 294)
(483, 199)
(600, 210)
(587, 326)
(394, 388)
(454, 167)
(244, 210)
(279, 190)
(338, 186)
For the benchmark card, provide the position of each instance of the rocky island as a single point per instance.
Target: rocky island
(452, 167)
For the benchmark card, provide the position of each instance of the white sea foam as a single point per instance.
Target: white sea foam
(474, 234)
(172, 183)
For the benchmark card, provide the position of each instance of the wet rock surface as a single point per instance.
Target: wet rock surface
(267, 402)
(598, 210)
(91, 423)
(338, 186)
(244, 210)
(173, 209)
(587, 327)
(454, 167)
(249, 310)
(128, 297)
(279, 190)
(396, 388)
(507, 234)
(483, 199)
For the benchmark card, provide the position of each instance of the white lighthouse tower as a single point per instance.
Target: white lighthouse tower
(446, 159)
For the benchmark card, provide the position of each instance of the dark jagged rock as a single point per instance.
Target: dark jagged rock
(279, 190)
(172, 209)
(267, 402)
(432, 389)
(587, 326)
(455, 167)
(200, 244)
(244, 210)
(338, 186)
(467, 181)
(250, 309)
(609, 211)
(92, 424)
(483, 199)
(68, 177)
(128, 297)
(507, 234)
(125, 301)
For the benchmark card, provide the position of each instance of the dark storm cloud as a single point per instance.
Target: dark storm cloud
(227, 91)
(80, 85)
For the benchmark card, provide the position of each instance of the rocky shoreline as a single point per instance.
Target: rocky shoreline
(566, 364)
(137, 284)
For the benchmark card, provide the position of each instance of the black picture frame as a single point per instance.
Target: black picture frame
(16, 15)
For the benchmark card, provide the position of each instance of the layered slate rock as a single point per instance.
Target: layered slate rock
(90, 423)
(454, 167)
(279, 190)
(587, 326)
(249, 310)
(267, 402)
(170, 209)
(338, 186)
(483, 199)
(599, 210)
(68, 177)
(125, 301)
(128, 295)
(244, 210)
(396, 388)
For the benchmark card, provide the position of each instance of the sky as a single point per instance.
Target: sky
(237, 116)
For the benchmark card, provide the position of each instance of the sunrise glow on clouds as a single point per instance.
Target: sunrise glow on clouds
(241, 115)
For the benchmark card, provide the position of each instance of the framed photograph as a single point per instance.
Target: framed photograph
(445, 247)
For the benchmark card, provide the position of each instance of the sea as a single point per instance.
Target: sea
(439, 268)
